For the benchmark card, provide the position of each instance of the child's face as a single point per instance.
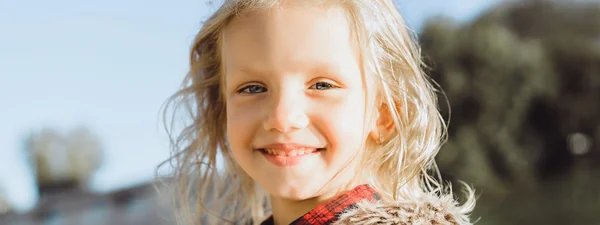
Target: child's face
(293, 77)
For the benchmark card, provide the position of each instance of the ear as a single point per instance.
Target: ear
(384, 123)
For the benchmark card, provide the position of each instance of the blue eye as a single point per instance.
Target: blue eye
(322, 86)
(252, 89)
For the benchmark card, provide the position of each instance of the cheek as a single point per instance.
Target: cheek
(242, 122)
(343, 124)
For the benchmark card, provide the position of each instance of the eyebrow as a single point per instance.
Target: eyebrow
(329, 68)
(317, 67)
(246, 71)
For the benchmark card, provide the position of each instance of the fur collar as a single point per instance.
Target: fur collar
(429, 209)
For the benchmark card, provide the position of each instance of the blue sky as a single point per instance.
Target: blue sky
(108, 65)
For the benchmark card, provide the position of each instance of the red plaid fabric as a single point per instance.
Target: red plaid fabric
(329, 212)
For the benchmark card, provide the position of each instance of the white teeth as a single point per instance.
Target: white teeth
(298, 152)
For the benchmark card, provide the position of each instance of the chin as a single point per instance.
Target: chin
(293, 193)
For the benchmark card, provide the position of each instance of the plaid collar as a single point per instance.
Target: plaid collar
(329, 212)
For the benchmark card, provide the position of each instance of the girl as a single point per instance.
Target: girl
(309, 112)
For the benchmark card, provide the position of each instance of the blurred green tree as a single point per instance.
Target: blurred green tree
(523, 83)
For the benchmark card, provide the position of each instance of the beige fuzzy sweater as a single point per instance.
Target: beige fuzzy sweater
(426, 210)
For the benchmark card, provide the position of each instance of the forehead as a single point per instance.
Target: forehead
(288, 38)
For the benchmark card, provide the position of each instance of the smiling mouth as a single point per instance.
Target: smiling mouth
(290, 153)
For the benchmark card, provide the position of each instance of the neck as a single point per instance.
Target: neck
(285, 211)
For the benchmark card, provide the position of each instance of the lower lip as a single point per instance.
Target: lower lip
(286, 161)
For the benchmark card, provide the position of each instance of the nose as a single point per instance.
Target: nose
(286, 114)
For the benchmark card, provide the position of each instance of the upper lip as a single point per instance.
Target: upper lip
(286, 147)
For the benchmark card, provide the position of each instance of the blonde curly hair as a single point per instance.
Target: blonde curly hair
(402, 166)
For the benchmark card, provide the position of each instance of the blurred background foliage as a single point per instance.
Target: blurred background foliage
(63, 159)
(523, 84)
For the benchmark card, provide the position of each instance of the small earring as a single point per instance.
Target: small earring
(380, 138)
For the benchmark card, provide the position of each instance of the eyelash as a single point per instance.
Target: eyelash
(244, 89)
